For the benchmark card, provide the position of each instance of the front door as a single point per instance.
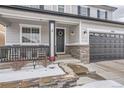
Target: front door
(60, 38)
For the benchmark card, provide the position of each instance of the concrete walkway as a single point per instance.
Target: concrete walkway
(110, 70)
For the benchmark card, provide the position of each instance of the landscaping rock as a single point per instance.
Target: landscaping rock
(78, 69)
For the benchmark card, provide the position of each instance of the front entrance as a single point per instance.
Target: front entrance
(60, 40)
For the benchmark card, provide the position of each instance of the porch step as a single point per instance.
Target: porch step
(63, 56)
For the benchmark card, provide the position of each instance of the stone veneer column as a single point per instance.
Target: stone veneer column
(84, 54)
(80, 52)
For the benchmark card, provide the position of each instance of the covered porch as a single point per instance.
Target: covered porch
(59, 36)
(55, 35)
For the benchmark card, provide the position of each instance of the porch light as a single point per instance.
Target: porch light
(85, 32)
(112, 31)
(72, 33)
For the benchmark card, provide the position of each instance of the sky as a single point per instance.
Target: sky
(119, 13)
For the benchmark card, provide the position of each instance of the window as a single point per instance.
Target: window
(61, 8)
(30, 34)
(117, 36)
(106, 14)
(121, 36)
(84, 11)
(102, 14)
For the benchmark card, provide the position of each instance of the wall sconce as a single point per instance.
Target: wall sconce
(85, 32)
(72, 33)
(112, 31)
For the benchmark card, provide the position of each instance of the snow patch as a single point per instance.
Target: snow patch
(102, 84)
(29, 72)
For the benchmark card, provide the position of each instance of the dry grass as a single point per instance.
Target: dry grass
(18, 65)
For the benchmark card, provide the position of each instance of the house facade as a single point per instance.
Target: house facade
(85, 32)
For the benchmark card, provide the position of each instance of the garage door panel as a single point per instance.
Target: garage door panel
(106, 46)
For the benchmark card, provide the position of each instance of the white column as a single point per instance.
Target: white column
(52, 40)
(83, 34)
(80, 32)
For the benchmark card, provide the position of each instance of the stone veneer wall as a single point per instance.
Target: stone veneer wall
(80, 52)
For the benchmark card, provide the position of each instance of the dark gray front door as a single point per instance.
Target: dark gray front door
(60, 36)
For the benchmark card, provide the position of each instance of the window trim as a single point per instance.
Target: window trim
(99, 15)
(64, 9)
(106, 14)
(87, 10)
(28, 25)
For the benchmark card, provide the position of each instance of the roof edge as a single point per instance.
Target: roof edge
(60, 14)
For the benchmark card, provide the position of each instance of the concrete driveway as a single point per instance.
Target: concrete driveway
(110, 70)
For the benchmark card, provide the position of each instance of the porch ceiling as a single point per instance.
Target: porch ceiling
(15, 18)
(9, 21)
(4, 21)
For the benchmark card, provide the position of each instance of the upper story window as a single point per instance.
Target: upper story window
(84, 11)
(61, 8)
(30, 34)
(102, 14)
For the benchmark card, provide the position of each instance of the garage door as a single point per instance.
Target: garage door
(106, 46)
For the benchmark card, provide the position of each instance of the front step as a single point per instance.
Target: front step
(63, 56)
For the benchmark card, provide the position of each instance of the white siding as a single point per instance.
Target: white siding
(12, 34)
(48, 7)
(55, 7)
(74, 39)
(93, 12)
(32, 6)
(96, 27)
(74, 9)
(67, 8)
(110, 15)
